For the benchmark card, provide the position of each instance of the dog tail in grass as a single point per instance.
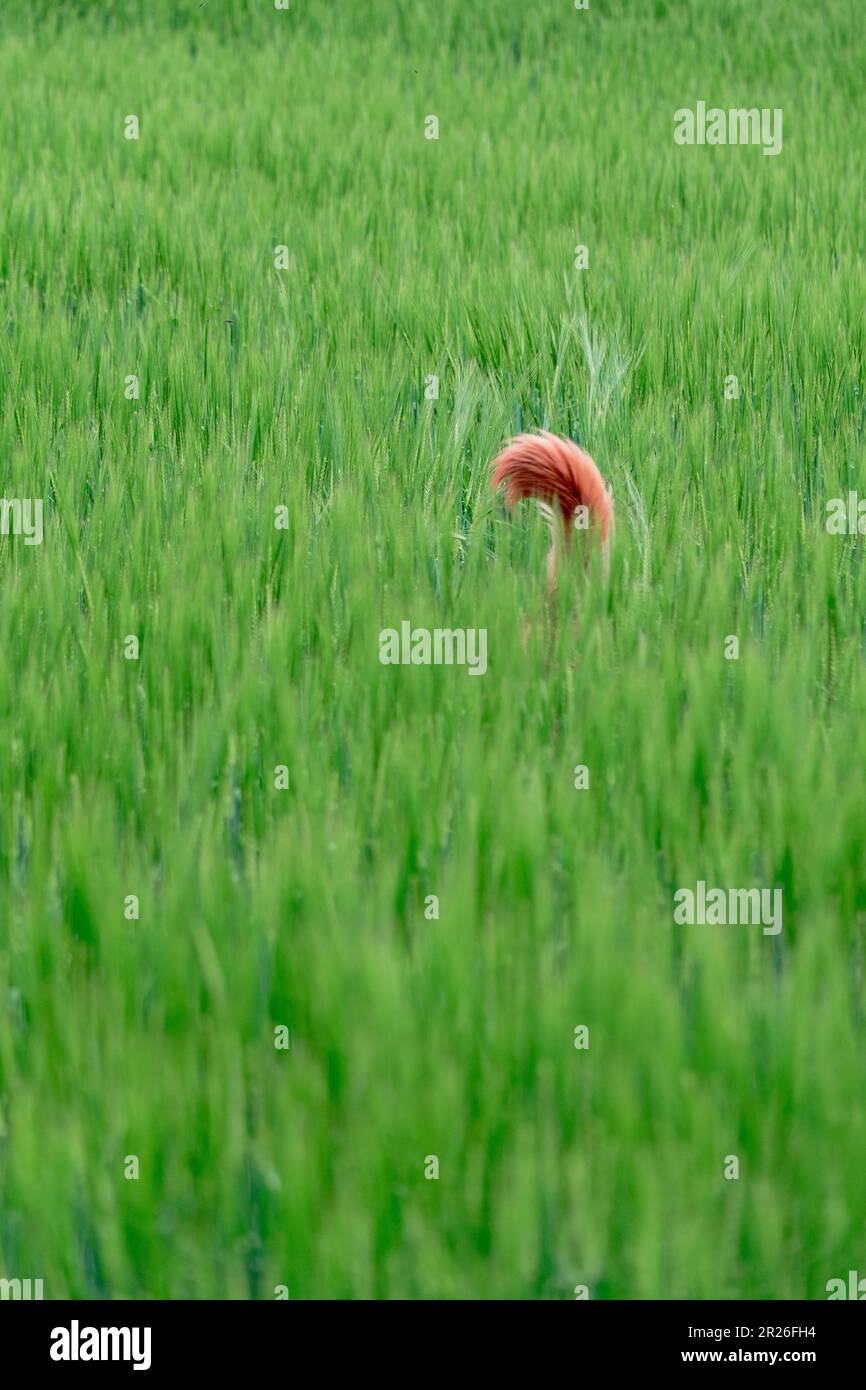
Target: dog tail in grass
(565, 478)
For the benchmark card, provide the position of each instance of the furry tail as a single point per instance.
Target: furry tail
(560, 474)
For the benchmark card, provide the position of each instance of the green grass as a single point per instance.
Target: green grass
(304, 907)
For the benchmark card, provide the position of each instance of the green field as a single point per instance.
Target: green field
(302, 907)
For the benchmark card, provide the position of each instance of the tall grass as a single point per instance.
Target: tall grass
(305, 907)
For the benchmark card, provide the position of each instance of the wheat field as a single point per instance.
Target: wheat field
(330, 979)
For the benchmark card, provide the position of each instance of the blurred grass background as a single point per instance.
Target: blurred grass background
(304, 907)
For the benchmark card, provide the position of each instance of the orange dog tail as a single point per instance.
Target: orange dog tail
(561, 475)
